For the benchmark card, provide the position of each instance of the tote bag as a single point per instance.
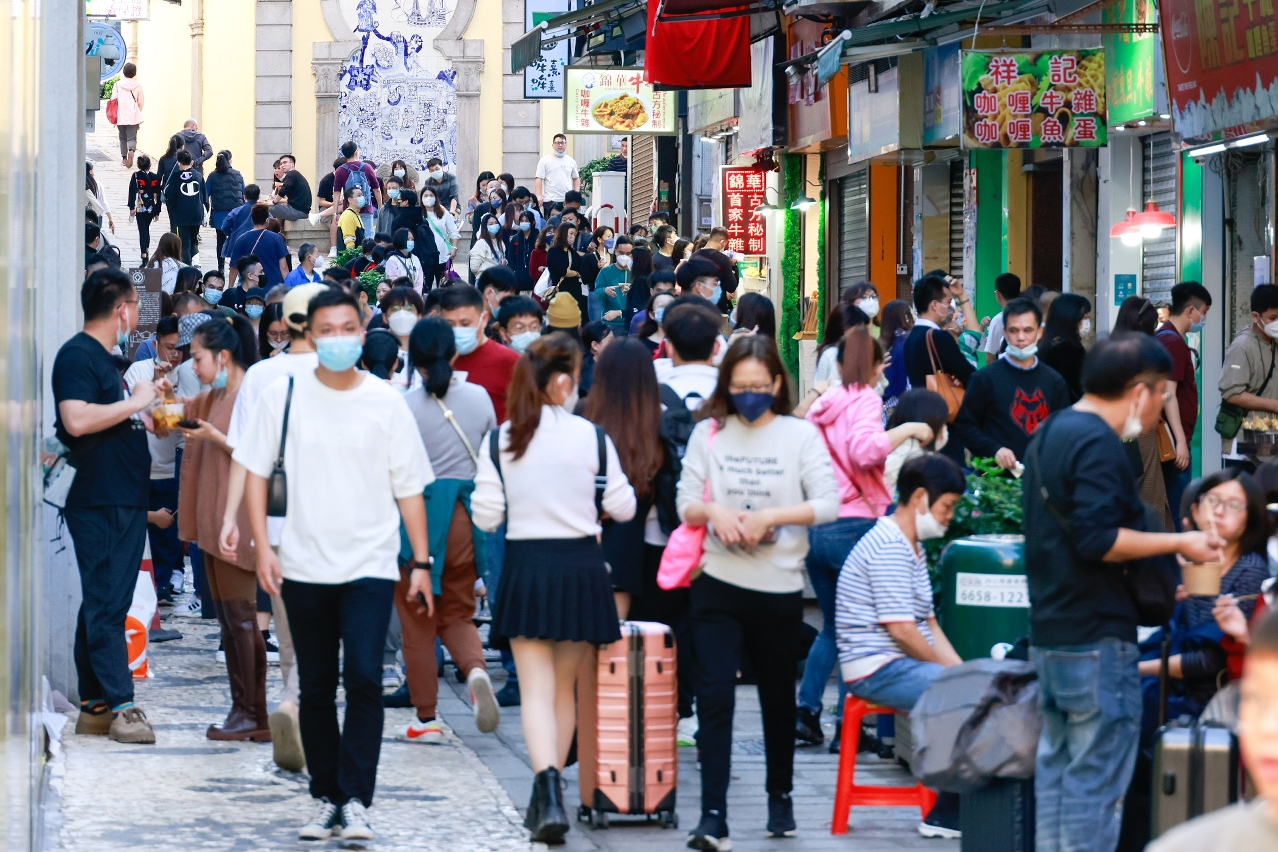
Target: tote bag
(682, 556)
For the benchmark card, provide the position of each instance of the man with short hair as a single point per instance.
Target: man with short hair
(106, 506)
(557, 173)
(931, 301)
(92, 241)
(521, 196)
(337, 562)
(444, 183)
(1084, 521)
(357, 173)
(497, 283)
(1247, 378)
(268, 246)
(196, 144)
(698, 276)
(1190, 303)
(519, 322)
(1007, 400)
(487, 363)
(1006, 288)
(292, 201)
(238, 221)
(571, 204)
(304, 272)
(188, 201)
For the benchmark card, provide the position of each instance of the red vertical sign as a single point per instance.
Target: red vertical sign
(744, 189)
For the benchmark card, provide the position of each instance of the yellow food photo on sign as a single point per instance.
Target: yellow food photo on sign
(621, 113)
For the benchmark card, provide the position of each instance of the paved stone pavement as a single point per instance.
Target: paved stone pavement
(187, 792)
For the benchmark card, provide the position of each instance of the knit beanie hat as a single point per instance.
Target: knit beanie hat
(564, 312)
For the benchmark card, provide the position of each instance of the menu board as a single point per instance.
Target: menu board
(616, 100)
(148, 282)
(1044, 99)
(744, 189)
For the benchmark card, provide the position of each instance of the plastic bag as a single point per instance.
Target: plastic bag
(137, 622)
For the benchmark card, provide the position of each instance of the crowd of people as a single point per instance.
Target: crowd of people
(629, 370)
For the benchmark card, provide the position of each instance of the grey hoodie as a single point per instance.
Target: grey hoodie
(197, 144)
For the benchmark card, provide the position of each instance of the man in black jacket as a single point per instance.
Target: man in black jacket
(931, 301)
(1009, 399)
(188, 201)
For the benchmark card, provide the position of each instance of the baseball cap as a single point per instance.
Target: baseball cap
(297, 302)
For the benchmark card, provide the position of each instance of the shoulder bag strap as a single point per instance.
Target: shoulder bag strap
(494, 451)
(931, 352)
(1273, 356)
(448, 415)
(874, 513)
(1033, 464)
(601, 478)
(288, 404)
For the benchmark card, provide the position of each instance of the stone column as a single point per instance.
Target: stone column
(521, 119)
(273, 110)
(197, 60)
(1079, 231)
(328, 58)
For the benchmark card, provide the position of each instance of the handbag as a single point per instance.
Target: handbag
(277, 485)
(941, 382)
(543, 283)
(682, 556)
(113, 111)
(1229, 419)
(1166, 444)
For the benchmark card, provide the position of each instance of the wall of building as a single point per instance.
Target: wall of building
(228, 80)
(164, 68)
(308, 28)
(496, 62)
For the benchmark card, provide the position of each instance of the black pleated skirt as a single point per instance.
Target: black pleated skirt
(555, 589)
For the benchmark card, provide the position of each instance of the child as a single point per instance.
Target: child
(144, 202)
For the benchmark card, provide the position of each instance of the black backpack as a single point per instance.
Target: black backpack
(676, 428)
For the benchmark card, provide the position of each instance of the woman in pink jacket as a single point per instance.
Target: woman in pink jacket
(850, 418)
(129, 100)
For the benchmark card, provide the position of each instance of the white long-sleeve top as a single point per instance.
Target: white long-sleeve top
(550, 491)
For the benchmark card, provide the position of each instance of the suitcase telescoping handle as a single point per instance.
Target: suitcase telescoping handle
(1164, 655)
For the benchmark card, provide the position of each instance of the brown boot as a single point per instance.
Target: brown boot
(239, 627)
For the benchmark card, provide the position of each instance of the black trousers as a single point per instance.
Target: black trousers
(144, 231)
(190, 235)
(109, 542)
(741, 623)
(353, 617)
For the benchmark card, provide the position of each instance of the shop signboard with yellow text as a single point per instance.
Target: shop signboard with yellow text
(1040, 99)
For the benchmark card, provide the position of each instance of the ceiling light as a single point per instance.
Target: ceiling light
(1119, 128)
(1127, 230)
(765, 207)
(1153, 221)
(1131, 238)
(1258, 139)
(1208, 150)
(1165, 116)
(803, 202)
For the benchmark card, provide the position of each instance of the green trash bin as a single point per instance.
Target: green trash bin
(984, 596)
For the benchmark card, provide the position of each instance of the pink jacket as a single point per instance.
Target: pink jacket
(851, 422)
(129, 95)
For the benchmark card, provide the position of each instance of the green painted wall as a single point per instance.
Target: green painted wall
(991, 226)
(1191, 269)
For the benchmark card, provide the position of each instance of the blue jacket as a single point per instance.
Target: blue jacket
(236, 223)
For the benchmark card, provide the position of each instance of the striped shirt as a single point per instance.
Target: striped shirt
(883, 581)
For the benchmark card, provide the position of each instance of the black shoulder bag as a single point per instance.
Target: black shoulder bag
(277, 485)
(1230, 417)
(1151, 581)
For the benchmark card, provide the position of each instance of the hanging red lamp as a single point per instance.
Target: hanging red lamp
(1152, 221)
(1128, 230)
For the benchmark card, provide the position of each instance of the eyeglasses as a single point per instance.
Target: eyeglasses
(1211, 501)
(760, 388)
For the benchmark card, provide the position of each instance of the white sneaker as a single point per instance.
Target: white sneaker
(221, 655)
(355, 821)
(332, 252)
(391, 677)
(484, 700)
(321, 825)
(687, 731)
(939, 832)
(430, 733)
(314, 219)
(190, 609)
(178, 581)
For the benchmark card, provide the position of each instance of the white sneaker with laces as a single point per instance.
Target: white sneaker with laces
(314, 219)
(332, 252)
(178, 582)
(355, 821)
(191, 609)
(484, 700)
(687, 731)
(430, 733)
(321, 825)
(391, 677)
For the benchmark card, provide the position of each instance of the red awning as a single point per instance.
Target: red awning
(701, 54)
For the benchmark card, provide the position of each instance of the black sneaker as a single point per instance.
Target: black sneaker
(781, 816)
(837, 738)
(508, 695)
(807, 727)
(321, 825)
(711, 834)
(943, 820)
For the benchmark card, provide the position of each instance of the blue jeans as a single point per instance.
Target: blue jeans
(828, 548)
(897, 684)
(496, 550)
(1091, 701)
(166, 547)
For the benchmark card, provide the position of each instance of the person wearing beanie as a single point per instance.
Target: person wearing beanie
(564, 314)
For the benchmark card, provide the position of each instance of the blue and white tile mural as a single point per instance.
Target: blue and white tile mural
(398, 96)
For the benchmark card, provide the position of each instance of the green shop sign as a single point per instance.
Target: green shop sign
(1129, 61)
(1043, 99)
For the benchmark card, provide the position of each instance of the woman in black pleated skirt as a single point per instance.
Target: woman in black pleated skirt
(541, 474)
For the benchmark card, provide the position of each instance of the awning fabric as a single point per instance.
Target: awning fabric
(527, 49)
(702, 54)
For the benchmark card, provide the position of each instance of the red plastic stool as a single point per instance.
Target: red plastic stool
(848, 792)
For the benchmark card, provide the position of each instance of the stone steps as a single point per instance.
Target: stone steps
(302, 231)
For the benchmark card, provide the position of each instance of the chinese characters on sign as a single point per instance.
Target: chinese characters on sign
(1129, 62)
(744, 189)
(616, 100)
(1222, 63)
(117, 10)
(544, 79)
(1053, 99)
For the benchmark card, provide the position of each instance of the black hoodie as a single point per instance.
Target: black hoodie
(186, 197)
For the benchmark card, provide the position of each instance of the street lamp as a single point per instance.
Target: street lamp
(766, 207)
(804, 201)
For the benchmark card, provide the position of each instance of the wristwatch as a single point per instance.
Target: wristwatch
(413, 564)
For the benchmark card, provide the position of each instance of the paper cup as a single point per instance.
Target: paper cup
(168, 414)
(1202, 580)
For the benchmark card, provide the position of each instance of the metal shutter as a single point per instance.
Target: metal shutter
(643, 171)
(854, 230)
(956, 218)
(1158, 181)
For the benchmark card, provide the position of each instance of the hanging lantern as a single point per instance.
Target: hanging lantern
(1127, 230)
(1152, 221)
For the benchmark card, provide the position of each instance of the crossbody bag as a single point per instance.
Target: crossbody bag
(277, 485)
(1230, 418)
(448, 415)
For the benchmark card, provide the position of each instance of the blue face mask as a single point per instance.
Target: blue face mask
(658, 313)
(219, 381)
(521, 342)
(525, 226)
(212, 296)
(340, 353)
(254, 311)
(467, 339)
(560, 153)
(717, 294)
(494, 228)
(393, 193)
(410, 245)
(751, 405)
(1198, 326)
(609, 243)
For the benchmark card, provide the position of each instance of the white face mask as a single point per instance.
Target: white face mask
(926, 526)
(623, 261)
(570, 401)
(1132, 427)
(1271, 329)
(402, 323)
(428, 200)
(869, 306)
(1085, 328)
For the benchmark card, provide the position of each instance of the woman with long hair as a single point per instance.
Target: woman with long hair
(768, 476)
(406, 175)
(489, 250)
(1063, 332)
(898, 319)
(453, 416)
(541, 250)
(520, 248)
(865, 297)
(641, 272)
(625, 401)
(441, 225)
(272, 332)
(554, 598)
(96, 198)
(221, 350)
(168, 259)
(756, 315)
(565, 265)
(402, 263)
(843, 318)
(226, 192)
(481, 195)
(650, 332)
(850, 419)
(1137, 315)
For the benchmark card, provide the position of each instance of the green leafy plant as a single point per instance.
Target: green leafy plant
(369, 281)
(345, 256)
(991, 505)
(107, 88)
(587, 171)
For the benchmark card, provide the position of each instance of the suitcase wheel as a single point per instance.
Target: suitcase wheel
(599, 819)
(583, 813)
(669, 819)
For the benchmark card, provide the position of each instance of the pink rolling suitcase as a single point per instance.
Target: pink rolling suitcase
(627, 720)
